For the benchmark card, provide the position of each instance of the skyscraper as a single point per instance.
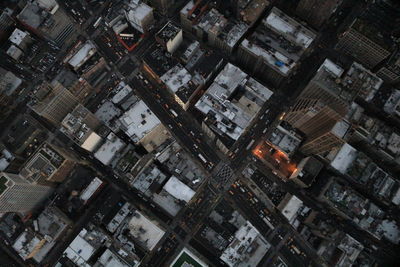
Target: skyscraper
(53, 102)
(162, 6)
(316, 12)
(390, 69)
(319, 109)
(18, 195)
(323, 102)
(365, 43)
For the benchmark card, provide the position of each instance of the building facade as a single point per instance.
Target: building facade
(364, 42)
(53, 102)
(17, 195)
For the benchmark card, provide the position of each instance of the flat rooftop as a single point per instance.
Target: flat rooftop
(168, 32)
(159, 60)
(176, 77)
(178, 189)
(368, 81)
(280, 41)
(227, 30)
(232, 101)
(247, 248)
(344, 158)
(138, 121)
(251, 10)
(83, 54)
(286, 139)
(145, 231)
(31, 16)
(106, 153)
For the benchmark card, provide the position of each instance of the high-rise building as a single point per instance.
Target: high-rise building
(323, 102)
(140, 16)
(390, 69)
(320, 108)
(323, 139)
(47, 19)
(53, 102)
(17, 195)
(162, 6)
(6, 21)
(316, 12)
(365, 43)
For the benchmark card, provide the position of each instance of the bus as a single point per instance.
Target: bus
(250, 144)
(97, 22)
(202, 158)
(174, 113)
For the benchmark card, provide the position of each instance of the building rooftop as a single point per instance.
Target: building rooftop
(187, 258)
(179, 162)
(341, 128)
(204, 63)
(291, 208)
(84, 246)
(186, 91)
(251, 10)
(17, 36)
(91, 189)
(26, 243)
(159, 60)
(32, 15)
(137, 12)
(49, 226)
(122, 91)
(84, 53)
(362, 79)
(43, 164)
(107, 113)
(9, 82)
(79, 125)
(138, 121)
(232, 101)
(247, 248)
(392, 105)
(106, 153)
(280, 41)
(110, 259)
(176, 78)
(168, 32)
(374, 131)
(150, 180)
(215, 23)
(329, 77)
(291, 29)
(285, 138)
(5, 157)
(361, 210)
(344, 158)
(145, 231)
(178, 189)
(307, 170)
